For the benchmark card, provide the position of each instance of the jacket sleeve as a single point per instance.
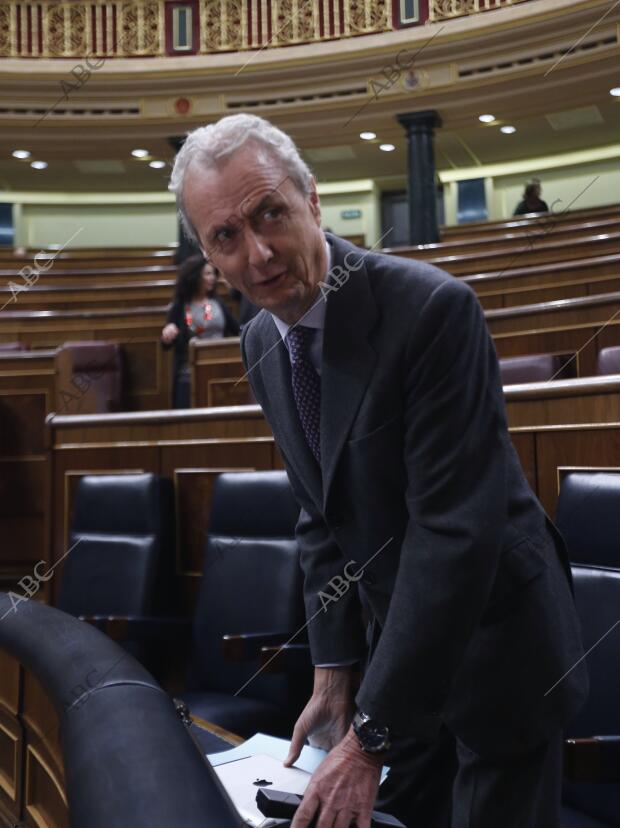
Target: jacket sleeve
(456, 501)
(334, 622)
(175, 315)
(231, 326)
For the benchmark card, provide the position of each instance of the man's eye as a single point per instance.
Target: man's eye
(223, 235)
(273, 212)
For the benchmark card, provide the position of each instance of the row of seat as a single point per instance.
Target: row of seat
(119, 576)
(546, 367)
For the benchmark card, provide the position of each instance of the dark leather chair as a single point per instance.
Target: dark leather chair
(250, 599)
(531, 368)
(119, 574)
(588, 515)
(592, 752)
(89, 378)
(128, 759)
(608, 361)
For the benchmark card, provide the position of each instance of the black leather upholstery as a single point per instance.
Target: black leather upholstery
(122, 555)
(252, 582)
(588, 516)
(129, 760)
(531, 368)
(597, 592)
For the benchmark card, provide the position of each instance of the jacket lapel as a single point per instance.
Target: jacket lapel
(348, 359)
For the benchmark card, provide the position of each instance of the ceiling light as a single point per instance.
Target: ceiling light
(615, 91)
(387, 147)
(21, 153)
(368, 136)
(508, 130)
(157, 165)
(139, 153)
(486, 119)
(39, 165)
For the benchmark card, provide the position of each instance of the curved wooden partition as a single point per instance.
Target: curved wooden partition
(88, 739)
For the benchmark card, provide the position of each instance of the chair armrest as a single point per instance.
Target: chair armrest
(592, 760)
(247, 646)
(289, 658)
(140, 627)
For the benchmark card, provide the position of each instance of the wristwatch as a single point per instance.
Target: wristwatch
(372, 736)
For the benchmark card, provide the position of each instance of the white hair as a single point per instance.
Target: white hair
(210, 145)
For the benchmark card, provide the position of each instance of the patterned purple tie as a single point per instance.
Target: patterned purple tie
(306, 386)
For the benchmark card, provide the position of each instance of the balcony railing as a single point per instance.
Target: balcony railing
(139, 28)
(445, 9)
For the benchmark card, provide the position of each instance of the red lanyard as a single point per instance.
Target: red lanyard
(189, 320)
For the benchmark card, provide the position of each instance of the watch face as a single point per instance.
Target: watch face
(375, 738)
(372, 737)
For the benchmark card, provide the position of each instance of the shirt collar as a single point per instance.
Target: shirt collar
(315, 317)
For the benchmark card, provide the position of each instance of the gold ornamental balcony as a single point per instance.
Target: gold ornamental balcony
(144, 28)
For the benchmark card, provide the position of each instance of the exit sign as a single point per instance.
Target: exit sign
(350, 214)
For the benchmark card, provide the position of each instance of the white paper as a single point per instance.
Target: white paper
(239, 777)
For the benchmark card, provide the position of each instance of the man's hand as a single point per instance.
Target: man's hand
(327, 716)
(343, 788)
(169, 333)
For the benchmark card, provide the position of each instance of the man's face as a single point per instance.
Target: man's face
(260, 231)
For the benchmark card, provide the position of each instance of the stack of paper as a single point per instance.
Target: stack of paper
(258, 763)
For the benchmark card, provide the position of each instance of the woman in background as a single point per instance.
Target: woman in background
(531, 202)
(195, 311)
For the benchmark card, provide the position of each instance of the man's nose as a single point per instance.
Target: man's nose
(259, 251)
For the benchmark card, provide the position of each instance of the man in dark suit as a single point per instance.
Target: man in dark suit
(380, 382)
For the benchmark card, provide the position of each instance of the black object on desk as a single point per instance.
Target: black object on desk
(282, 805)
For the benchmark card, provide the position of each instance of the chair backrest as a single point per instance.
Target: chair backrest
(251, 582)
(588, 516)
(122, 547)
(597, 594)
(532, 368)
(89, 377)
(608, 361)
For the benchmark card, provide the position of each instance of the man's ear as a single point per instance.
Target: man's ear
(315, 201)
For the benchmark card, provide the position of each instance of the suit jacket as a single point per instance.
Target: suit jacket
(472, 586)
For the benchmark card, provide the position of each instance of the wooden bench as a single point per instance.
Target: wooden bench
(518, 255)
(587, 400)
(542, 283)
(191, 447)
(138, 330)
(44, 296)
(517, 223)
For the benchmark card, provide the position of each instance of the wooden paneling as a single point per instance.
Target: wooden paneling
(576, 446)
(590, 400)
(217, 373)
(31, 767)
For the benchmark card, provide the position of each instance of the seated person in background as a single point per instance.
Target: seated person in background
(531, 202)
(194, 311)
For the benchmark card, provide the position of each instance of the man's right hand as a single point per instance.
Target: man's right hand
(169, 333)
(328, 715)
